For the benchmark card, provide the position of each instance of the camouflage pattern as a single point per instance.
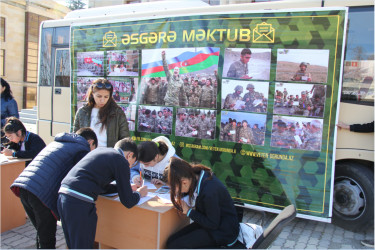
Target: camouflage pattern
(165, 125)
(237, 70)
(231, 100)
(249, 99)
(282, 139)
(145, 123)
(313, 141)
(175, 88)
(194, 95)
(151, 94)
(207, 97)
(231, 132)
(245, 135)
(303, 107)
(203, 127)
(305, 179)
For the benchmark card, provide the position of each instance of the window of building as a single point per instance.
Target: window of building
(33, 22)
(2, 62)
(2, 29)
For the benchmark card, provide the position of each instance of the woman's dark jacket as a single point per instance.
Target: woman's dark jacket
(43, 175)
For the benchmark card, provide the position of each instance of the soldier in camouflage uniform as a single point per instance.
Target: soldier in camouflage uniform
(154, 121)
(151, 94)
(249, 99)
(231, 99)
(145, 122)
(175, 89)
(318, 91)
(163, 90)
(245, 134)
(257, 134)
(194, 94)
(239, 69)
(313, 140)
(302, 75)
(206, 99)
(281, 137)
(285, 95)
(304, 105)
(230, 131)
(181, 124)
(279, 100)
(212, 124)
(186, 91)
(203, 127)
(165, 123)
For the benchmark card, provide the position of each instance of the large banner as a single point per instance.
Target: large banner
(254, 96)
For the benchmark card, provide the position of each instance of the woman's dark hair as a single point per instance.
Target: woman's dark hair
(7, 93)
(148, 150)
(12, 125)
(100, 84)
(88, 134)
(173, 174)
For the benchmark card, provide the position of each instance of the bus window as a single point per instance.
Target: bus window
(358, 78)
(45, 71)
(61, 36)
(62, 68)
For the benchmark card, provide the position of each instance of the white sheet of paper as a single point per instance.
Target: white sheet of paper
(257, 102)
(3, 158)
(149, 184)
(232, 132)
(298, 139)
(244, 140)
(143, 199)
(239, 104)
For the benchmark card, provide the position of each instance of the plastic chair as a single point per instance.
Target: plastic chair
(274, 229)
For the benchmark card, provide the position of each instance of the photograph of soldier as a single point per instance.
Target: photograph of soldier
(90, 63)
(299, 99)
(197, 123)
(83, 84)
(297, 133)
(122, 63)
(245, 128)
(130, 111)
(302, 65)
(124, 90)
(178, 68)
(246, 96)
(150, 121)
(248, 63)
(150, 91)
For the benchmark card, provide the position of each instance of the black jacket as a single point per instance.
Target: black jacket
(94, 173)
(215, 211)
(33, 145)
(43, 175)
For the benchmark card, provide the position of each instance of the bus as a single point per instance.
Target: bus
(352, 199)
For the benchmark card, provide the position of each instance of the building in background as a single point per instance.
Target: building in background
(20, 21)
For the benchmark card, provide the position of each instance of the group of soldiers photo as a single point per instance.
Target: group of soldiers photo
(303, 133)
(251, 100)
(90, 63)
(242, 132)
(122, 63)
(198, 123)
(155, 119)
(300, 99)
(124, 91)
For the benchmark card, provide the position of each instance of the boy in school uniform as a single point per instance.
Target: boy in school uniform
(90, 177)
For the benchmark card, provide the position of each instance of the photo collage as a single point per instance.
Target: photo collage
(180, 85)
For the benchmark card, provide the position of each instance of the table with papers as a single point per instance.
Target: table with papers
(145, 226)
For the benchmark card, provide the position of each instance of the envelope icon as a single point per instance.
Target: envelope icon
(264, 33)
(110, 39)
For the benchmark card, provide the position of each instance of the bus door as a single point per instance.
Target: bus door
(54, 83)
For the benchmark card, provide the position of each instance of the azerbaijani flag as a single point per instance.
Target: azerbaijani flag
(187, 62)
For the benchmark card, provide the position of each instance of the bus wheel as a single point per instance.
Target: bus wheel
(353, 197)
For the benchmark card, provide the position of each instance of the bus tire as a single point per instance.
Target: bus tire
(353, 197)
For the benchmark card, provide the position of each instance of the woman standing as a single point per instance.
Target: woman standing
(8, 103)
(196, 192)
(22, 143)
(103, 115)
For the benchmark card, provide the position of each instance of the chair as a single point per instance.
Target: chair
(274, 229)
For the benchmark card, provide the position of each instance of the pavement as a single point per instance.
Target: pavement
(299, 234)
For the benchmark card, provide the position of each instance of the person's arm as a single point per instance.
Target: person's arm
(13, 108)
(232, 71)
(35, 145)
(165, 66)
(76, 125)
(135, 174)
(362, 128)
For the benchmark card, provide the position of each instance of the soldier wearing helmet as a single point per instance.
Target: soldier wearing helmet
(301, 74)
(250, 97)
(231, 99)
